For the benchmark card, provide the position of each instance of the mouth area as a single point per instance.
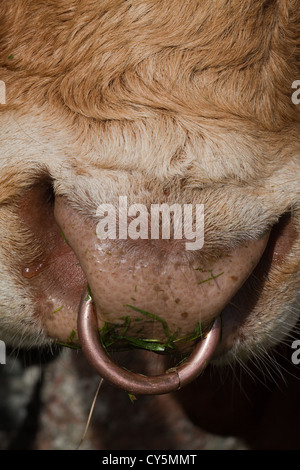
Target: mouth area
(58, 275)
(170, 381)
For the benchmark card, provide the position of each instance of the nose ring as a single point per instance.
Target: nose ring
(134, 383)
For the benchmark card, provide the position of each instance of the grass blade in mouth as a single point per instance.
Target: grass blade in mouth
(154, 317)
(111, 334)
(211, 278)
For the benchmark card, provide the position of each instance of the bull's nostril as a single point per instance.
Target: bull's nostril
(135, 383)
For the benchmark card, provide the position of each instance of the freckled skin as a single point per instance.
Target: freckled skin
(173, 289)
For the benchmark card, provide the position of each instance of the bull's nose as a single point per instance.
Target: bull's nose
(140, 294)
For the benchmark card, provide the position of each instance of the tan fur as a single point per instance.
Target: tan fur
(133, 97)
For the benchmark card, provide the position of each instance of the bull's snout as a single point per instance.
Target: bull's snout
(155, 289)
(152, 293)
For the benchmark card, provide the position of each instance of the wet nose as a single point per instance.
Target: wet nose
(154, 289)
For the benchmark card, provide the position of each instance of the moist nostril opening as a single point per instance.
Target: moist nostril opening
(35, 206)
(281, 240)
(42, 186)
(49, 193)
